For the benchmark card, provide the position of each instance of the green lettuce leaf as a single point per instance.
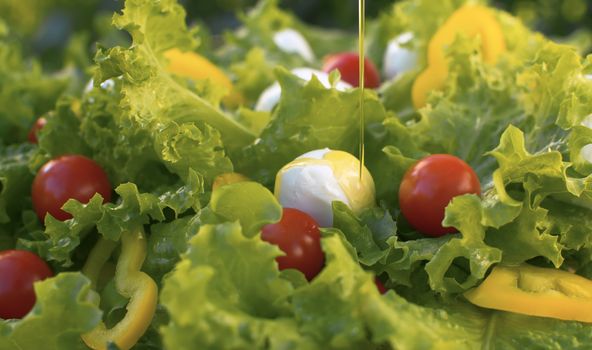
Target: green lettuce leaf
(213, 303)
(531, 182)
(64, 310)
(261, 23)
(249, 203)
(252, 54)
(151, 95)
(159, 161)
(342, 308)
(368, 235)
(307, 118)
(61, 238)
(458, 325)
(15, 180)
(26, 92)
(229, 308)
(166, 243)
(97, 127)
(15, 192)
(253, 74)
(388, 164)
(443, 259)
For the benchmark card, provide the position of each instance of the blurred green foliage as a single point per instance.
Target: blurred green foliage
(48, 25)
(27, 16)
(552, 17)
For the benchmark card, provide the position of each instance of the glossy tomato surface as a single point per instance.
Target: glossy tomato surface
(348, 65)
(39, 124)
(19, 269)
(66, 177)
(297, 235)
(428, 187)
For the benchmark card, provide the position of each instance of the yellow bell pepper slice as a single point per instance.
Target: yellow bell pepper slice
(535, 291)
(191, 65)
(227, 179)
(131, 283)
(470, 20)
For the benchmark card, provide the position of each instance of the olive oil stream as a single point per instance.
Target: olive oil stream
(361, 52)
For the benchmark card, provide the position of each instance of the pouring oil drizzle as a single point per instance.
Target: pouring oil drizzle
(361, 34)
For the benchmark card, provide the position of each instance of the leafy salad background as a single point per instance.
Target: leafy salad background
(163, 139)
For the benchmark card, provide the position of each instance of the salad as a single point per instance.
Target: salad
(211, 197)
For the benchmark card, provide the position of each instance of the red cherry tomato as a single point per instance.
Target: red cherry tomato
(39, 124)
(68, 177)
(297, 234)
(380, 286)
(428, 187)
(19, 269)
(348, 65)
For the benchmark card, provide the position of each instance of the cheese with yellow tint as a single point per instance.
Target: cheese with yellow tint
(470, 20)
(535, 291)
(314, 180)
(194, 66)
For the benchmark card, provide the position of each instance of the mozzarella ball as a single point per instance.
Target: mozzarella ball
(313, 181)
(399, 59)
(271, 96)
(586, 151)
(291, 41)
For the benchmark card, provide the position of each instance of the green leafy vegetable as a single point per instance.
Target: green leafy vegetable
(112, 219)
(26, 93)
(166, 243)
(523, 124)
(151, 95)
(307, 118)
(64, 310)
(213, 301)
(250, 203)
(16, 179)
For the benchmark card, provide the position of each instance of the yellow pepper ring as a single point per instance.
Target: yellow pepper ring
(131, 283)
(470, 20)
(191, 65)
(535, 291)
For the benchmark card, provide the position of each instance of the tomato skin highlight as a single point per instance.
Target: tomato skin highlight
(297, 234)
(348, 65)
(71, 176)
(19, 269)
(428, 187)
(39, 124)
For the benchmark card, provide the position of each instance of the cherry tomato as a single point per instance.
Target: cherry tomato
(297, 234)
(428, 187)
(66, 177)
(348, 65)
(19, 269)
(39, 124)
(380, 286)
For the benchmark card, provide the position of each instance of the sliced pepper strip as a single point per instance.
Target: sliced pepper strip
(470, 20)
(131, 283)
(535, 291)
(228, 179)
(194, 66)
